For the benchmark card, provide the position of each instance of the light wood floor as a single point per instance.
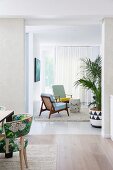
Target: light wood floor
(79, 152)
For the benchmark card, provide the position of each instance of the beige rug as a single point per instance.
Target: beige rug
(40, 157)
(83, 116)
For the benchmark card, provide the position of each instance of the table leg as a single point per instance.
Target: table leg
(9, 118)
(10, 154)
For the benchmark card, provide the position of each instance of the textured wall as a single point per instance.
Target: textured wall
(12, 78)
(107, 73)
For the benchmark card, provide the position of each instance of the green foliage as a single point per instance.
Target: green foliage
(92, 79)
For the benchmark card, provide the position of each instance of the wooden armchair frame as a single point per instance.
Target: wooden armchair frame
(49, 105)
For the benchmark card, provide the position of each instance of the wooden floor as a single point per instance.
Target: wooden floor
(79, 152)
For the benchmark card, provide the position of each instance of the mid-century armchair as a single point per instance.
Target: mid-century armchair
(59, 93)
(49, 103)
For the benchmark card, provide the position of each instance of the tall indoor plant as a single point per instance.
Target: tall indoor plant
(92, 81)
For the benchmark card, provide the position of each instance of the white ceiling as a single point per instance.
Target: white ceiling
(57, 9)
(51, 14)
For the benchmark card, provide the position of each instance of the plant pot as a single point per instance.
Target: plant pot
(95, 118)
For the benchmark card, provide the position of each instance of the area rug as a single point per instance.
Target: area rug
(40, 157)
(82, 116)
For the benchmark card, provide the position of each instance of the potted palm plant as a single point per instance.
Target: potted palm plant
(92, 81)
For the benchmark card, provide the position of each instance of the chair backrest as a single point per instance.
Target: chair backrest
(48, 100)
(18, 128)
(58, 90)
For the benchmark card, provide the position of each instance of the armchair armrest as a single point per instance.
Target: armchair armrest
(57, 98)
(69, 95)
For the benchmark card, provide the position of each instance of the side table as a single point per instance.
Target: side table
(74, 105)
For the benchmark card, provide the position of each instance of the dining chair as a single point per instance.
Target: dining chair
(51, 105)
(14, 138)
(59, 93)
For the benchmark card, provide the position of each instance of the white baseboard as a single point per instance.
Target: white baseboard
(105, 135)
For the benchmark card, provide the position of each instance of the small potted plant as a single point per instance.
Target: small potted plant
(92, 81)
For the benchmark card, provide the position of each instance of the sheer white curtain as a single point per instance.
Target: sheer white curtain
(47, 56)
(67, 68)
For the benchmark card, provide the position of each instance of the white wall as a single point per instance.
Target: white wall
(36, 85)
(33, 88)
(77, 35)
(107, 73)
(12, 78)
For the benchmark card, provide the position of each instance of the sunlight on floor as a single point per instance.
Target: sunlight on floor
(63, 128)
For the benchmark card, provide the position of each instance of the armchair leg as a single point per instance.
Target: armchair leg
(67, 112)
(40, 112)
(49, 115)
(67, 109)
(41, 109)
(21, 160)
(21, 154)
(25, 158)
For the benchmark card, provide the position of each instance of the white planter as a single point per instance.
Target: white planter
(95, 118)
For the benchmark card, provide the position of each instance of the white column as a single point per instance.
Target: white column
(111, 116)
(30, 74)
(36, 85)
(107, 73)
(12, 64)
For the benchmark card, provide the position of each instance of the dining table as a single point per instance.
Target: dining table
(7, 115)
